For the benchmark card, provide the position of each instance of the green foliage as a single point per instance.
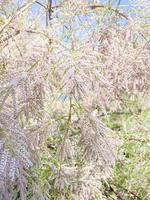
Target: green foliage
(132, 173)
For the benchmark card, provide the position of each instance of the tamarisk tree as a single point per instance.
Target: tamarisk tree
(55, 84)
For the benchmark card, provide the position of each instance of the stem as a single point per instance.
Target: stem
(67, 130)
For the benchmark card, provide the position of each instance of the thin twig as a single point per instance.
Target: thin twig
(41, 4)
(138, 140)
(114, 10)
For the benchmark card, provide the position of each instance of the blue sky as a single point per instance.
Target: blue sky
(126, 3)
(123, 4)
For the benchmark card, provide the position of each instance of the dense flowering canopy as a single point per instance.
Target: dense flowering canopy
(55, 84)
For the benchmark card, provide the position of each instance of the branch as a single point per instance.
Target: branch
(10, 36)
(41, 4)
(20, 11)
(138, 140)
(114, 10)
(128, 191)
